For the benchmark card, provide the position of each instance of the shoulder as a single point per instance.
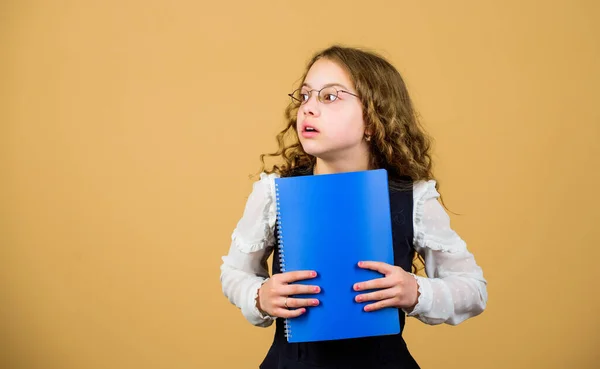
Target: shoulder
(424, 190)
(263, 192)
(254, 229)
(266, 183)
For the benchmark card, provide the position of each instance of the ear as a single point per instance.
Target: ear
(367, 135)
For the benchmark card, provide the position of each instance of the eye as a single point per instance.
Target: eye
(300, 96)
(329, 97)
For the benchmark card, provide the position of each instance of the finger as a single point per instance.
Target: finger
(285, 313)
(298, 275)
(297, 303)
(373, 284)
(388, 293)
(383, 268)
(380, 305)
(299, 289)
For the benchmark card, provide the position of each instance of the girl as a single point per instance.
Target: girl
(352, 113)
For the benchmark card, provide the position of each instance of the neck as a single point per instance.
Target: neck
(352, 164)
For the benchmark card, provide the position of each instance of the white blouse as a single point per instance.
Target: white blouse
(454, 290)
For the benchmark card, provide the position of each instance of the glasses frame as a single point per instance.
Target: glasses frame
(337, 92)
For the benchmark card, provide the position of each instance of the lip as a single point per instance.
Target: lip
(309, 134)
(306, 134)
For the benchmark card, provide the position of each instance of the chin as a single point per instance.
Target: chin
(312, 148)
(325, 155)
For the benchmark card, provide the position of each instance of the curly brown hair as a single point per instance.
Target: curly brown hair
(398, 142)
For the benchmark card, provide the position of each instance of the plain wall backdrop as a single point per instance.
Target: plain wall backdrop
(129, 129)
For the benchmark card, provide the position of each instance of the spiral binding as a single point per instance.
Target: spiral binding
(287, 327)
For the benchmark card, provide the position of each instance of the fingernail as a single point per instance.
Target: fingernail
(357, 286)
(367, 308)
(313, 274)
(315, 302)
(316, 289)
(358, 298)
(360, 263)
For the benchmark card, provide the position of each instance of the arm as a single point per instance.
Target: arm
(456, 289)
(244, 268)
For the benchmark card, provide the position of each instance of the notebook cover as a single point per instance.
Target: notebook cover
(328, 223)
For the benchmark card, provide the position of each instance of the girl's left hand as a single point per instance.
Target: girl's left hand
(397, 289)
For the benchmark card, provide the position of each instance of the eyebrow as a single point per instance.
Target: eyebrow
(327, 85)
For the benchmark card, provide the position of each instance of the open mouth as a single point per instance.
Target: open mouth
(310, 129)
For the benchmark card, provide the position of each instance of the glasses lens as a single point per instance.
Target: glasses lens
(328, 95)
(299, 97)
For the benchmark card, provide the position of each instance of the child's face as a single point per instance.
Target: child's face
(339, 124)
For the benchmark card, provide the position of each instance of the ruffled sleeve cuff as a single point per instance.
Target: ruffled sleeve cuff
(425, 300)
(253, 314)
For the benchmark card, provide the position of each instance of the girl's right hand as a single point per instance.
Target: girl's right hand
(273, 295)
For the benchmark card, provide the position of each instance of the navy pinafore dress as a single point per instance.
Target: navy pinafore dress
(379, 352)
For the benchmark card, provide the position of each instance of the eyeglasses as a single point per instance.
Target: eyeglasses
(326, 95)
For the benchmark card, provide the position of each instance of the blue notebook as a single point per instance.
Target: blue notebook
(328, 223)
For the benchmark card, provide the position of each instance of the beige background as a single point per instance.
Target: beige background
(129, 129)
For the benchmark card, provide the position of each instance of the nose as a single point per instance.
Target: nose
(311, 106)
